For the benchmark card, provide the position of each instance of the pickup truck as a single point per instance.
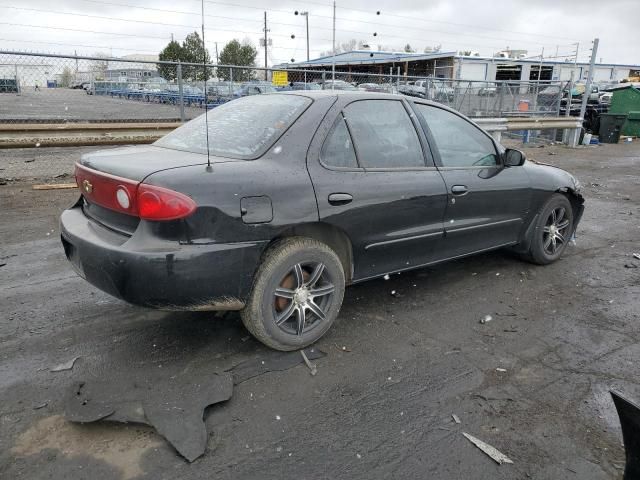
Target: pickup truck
(429, 89)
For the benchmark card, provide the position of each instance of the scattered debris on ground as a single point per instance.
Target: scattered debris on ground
(65, 366)
(54, 186)
(492, 452)
(174, 408)
(271, 361)
(486, 319)
(311, 366)
(455, 418)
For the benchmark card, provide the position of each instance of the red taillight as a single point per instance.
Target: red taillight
(102, 189)
(157, 203)
(133, 198)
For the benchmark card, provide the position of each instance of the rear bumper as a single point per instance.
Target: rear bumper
(157, 273)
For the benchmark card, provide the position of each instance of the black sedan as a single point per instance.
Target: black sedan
(300, 194)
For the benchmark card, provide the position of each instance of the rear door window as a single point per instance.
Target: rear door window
(244, 128)
(383, 134)
(337, 150)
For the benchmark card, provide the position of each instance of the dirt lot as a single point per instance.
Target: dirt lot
(396, 369)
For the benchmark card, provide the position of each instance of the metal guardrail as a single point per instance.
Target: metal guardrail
(495, 126)
(80, 134)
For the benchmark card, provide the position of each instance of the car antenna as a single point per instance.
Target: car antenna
(206, 107)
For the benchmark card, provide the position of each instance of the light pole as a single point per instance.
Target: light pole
(305, 14)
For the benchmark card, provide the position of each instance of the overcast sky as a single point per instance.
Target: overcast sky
(122, 27)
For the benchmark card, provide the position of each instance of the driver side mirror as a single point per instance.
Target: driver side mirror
(513, 158)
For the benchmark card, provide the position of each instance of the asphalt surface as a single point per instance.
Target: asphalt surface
(56, 104)
(396, 366)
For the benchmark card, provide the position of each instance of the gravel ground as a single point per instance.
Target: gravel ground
(397, 367)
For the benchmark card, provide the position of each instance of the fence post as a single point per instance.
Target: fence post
(180, 93)
(17, 82)
(567, 134)
(230, 81)
(398, 79)
(324, 79)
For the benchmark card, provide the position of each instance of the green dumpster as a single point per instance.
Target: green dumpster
(632, 125)
(627, 100)
(610, 127)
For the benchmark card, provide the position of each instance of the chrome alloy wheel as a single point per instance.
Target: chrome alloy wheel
(554, 233)
(302, 298)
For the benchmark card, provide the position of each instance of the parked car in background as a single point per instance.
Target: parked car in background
(254, 88)
(288, 198)
(606, 97)
(338, 85)
(549, 98)
(221, 90)
(305, 86)
(374, 87)
(488, 90)
(431, 89)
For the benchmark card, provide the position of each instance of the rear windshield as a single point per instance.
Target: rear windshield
(244, 128)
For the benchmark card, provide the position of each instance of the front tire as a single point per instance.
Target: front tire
(297, 294)
(554, 229)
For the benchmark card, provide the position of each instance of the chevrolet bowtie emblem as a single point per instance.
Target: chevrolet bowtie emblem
(86, 186)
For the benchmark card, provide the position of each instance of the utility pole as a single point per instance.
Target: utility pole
(540, 65)
(333, 58)
(587, 88)
(217, 61)
(265, 47)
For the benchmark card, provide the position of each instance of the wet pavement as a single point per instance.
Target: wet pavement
(533, 382)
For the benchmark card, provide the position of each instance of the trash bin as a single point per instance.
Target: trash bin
(610, 126)
(627, 100)
(632, 127)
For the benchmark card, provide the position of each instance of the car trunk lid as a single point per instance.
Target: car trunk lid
(138, 162)
(101, 174)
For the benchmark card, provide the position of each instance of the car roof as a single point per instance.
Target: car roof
(343, 93)
(360, 94)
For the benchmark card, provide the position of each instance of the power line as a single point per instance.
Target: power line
(404, 27)
(69, 44)
(48, 27)
(403, 37)
(118, 19)
(405, 17)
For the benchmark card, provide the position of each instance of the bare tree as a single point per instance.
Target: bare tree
(66, 77)
(99, 67)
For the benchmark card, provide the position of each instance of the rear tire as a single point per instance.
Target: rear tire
(296, 295)
(553, 231)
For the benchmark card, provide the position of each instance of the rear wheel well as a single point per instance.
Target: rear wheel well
(330, 235)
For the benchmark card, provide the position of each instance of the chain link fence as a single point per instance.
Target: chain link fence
(38, 88)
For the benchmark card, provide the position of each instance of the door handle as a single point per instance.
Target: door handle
(340, 199)
(459, 189)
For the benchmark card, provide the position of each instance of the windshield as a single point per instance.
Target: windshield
(244, 128)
